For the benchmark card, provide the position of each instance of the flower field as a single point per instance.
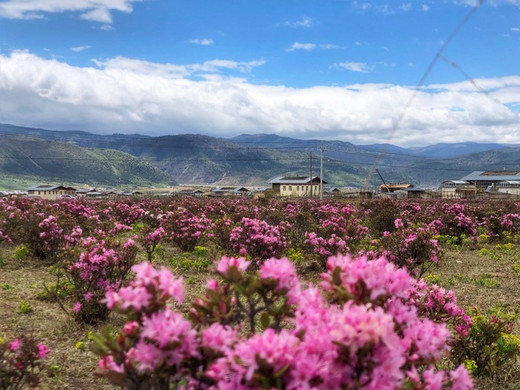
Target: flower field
(245, 294)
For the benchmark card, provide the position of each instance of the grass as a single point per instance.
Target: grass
(478, 280)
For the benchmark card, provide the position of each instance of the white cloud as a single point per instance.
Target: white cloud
(515, 29)
(329, 46)
(405, 7)
(128, 95)
(92, 10)
(101, 15)
(311, 46)
(303, 22)
(353, 66)
(78, 49)
(302, 46)
(203, 42)
(172, 71)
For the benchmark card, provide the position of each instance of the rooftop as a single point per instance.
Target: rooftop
(492, 176)
(295, 180)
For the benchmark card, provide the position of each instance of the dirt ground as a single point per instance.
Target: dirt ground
(479, 280)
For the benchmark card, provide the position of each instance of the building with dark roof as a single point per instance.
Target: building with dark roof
(484, 180)
(457, 189)
(296, 186)
(45, 191)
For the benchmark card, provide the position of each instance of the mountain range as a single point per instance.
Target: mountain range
(31, 155)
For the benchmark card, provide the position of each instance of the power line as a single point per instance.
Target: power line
(421, 82)
(197, 160)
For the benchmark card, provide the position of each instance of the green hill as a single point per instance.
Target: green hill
(27, 160)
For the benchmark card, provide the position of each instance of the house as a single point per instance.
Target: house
(457, 189)
(416, 193)
(296, 186)
(129, 193)
(333, 190)
(51, 192)
(261, 192)
(508, 187)
(189, 192)
(484, 180)
(393, 187)
(231, 191)
(83, 192)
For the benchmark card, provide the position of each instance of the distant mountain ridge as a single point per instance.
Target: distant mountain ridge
(440, 150)
(247, 159)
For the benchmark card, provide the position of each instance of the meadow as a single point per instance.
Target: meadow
(267, 293)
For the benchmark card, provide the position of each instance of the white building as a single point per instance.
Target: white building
(508, 187)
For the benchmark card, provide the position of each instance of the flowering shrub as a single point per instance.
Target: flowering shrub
(258, 239)
(490, 349)
(339, 230)
(151, 240)
(414, 248)
(21, 362)
(326, 247)
(504, 224)
(440, 305)
(454, 221)
(51, 238)
(92, 269)
(4, 237)
(360, 329)
(185, 229)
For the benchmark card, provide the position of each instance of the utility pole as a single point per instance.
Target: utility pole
(321, 172)
(311, 174)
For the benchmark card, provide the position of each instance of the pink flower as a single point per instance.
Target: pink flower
(14, 345)
(43, 351)
(144, 273)
(218, 337)
(77, 308)
(136, 298)
(226, 262)
(171, 286)
(212, 284)
(461, 380)
(281, 270)
(108, 364)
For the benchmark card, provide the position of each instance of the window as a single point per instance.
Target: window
(290, 188)
(283, 188)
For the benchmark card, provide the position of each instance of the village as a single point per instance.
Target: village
(478, 184)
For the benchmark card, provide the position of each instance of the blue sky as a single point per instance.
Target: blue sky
(330, 69)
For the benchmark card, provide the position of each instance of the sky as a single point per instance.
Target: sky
(350, 70)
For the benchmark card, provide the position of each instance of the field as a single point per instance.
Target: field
(468, 247)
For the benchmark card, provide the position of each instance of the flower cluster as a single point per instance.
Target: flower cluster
(185, 229)
(359, 330)
(101, 266)
(21, 362)
(257, 238)
(51, 237)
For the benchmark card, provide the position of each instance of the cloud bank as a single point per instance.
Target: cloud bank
(92, 10)
(215, 98)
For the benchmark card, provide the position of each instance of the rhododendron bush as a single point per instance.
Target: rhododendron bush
(371, 322)
(21, 362)
(404, 231)
(361, 328)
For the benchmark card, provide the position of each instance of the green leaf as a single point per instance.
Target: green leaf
(265, 320)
